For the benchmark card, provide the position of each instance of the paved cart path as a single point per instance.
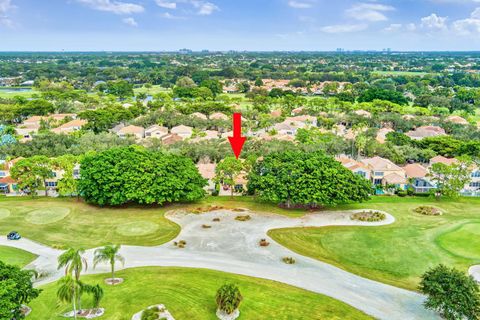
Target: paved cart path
(232, 246)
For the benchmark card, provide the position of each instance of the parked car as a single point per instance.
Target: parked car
(14, 235)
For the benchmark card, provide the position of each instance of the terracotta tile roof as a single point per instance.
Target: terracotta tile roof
(415, 170)
(207, 170)
(441, 159)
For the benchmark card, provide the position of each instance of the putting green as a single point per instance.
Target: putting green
(4, 213)
(462, 241)
(137, 228)
(47, 215)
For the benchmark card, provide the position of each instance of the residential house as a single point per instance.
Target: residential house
(156, 131)
(183, 131)
(456, 120)
(284, 128)
(442, 159)
(382, 134)
(199, 115)
(363, 113)
(426, 132)
(207, 171)
(418, 178)
(171, 139)
(384, 172)
(7, 184)
(207, 135)
(70, 126)
(276, 113)
(356, 167)
(218, 116)
(302, 121)
(27, 131)
(137, 132)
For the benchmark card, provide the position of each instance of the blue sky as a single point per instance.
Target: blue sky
(158, 25)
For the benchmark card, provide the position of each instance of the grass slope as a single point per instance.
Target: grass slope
(190, 294)
(15, 256)
(400, 253)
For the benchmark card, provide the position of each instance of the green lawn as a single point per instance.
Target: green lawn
(5, 93)
(151, 91)
(400, 253)
(15, 256)
(67, 222)
(190, 294)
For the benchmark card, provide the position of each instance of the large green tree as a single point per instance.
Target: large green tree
(307, 179)
(15, 289)
(135, 175)
(452, 293)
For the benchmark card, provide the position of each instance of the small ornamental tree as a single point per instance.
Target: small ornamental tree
(227, 170)
(135, 175)
(451, 179)
(228, 298)
(451, 293)
(306, 179)
(15, 289)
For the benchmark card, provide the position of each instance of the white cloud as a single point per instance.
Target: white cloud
(113, 6)
(344, 28)
(130, 21)
(167, 15)
(5, 7)
(166, 4)
(204, 8)
(469, 25)
(299, 4)
(369, 11)
(434, 22)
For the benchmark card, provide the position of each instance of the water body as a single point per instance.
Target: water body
(14, 90)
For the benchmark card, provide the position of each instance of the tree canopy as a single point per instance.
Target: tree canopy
(452, 293)
(135, 175)
(15, 289)
(308, 179)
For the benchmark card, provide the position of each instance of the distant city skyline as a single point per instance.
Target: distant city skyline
(248, 25)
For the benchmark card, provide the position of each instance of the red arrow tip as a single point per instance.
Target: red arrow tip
(237, 145)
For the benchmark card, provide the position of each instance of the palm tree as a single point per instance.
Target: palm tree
(97, 292)
(68, 291)
(110, 255)
(74, 264)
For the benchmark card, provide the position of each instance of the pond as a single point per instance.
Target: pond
(13, 90)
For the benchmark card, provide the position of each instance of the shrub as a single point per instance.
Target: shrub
(369, 216)
(206, 226)
(428, 211)
(181, 244)
(216, 220)
(228, 298)
(243, 218)
(264, 243)
(402, 193)
(150, 314)
(289, 260)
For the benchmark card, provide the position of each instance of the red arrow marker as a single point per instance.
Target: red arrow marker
(237, 140)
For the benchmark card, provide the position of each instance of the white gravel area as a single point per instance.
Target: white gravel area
(232, 246)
